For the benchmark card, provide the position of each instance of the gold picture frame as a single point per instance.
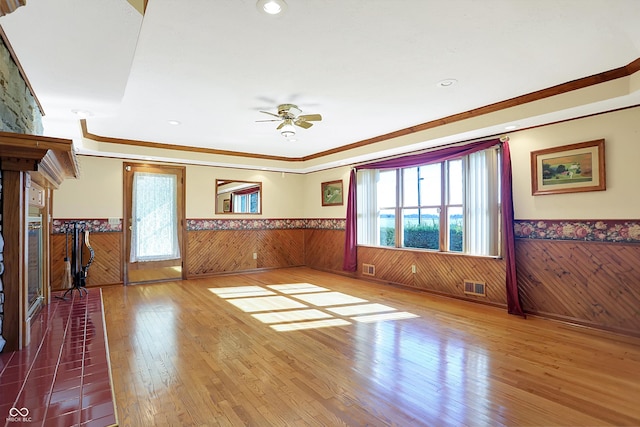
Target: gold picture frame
(570, 168)
(332, 193)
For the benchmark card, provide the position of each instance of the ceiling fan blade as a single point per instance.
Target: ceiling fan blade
(281, 125)
(270, 120)
(303, 124)
(310, 117)
(271, 114)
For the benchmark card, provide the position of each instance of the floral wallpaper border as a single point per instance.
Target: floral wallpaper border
(613, 231)
(103, 225)
(581, 230)
(93, 225)
(263, 224)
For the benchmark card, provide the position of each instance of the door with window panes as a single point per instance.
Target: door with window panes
(154, 221)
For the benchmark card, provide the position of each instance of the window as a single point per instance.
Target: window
(154, 231)
(450, 206)
(246, 202)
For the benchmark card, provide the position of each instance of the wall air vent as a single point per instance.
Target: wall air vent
(368, 269)
(472, 287)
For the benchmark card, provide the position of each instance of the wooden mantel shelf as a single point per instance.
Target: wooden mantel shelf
(52, 159)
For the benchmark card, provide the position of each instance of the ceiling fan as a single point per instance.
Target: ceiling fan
(289, 115)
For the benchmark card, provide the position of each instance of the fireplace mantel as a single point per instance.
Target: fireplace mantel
(27, 159)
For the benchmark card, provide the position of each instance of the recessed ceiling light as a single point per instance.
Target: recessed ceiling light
(511, 127)
(271, 7)
(173, 122)
(447, 83)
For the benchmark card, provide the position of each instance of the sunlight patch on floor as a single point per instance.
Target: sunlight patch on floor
(324, 299)
(252, 305)
(386, 316)
(279, 306)
(309, 325)
(352, 310)
(241, 291)
(297, 288)
(291, 316)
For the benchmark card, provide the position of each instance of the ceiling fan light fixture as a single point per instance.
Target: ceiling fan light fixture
(288, 131)
(271, 7)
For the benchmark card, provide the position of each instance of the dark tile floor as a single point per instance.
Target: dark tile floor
(62, 377)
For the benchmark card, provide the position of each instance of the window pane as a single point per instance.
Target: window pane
(154, 232)
(430, 185)
(454, 224)
(388, 227)
(387, 189)
(421, 228)
(255, 201)
(410, 187)
(455, 182)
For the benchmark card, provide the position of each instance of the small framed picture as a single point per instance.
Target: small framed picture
(332, 193)
(568, 169)
(226, 205)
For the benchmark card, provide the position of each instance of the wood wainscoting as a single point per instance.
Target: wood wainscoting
(436, 272)
(590, 283)
(224, 251)
(107, 265)
(324, 249)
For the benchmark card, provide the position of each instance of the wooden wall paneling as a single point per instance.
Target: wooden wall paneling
(446, 273)
(390, 265)
(279, 248)
(223, 251)
(324, 249)
(436, 272)
(585, 282)
(106, 268)
(107, 265)
(219, 251)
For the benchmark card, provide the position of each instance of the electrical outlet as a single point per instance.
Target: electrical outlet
(413, 269)
(255, 255)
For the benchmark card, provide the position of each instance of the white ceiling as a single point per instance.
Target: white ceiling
(370, 67)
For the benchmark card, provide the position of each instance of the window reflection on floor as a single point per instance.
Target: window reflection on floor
(296, 306)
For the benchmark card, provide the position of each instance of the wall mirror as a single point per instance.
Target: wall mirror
(238, 197)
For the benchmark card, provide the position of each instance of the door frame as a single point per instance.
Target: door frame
(127, 180)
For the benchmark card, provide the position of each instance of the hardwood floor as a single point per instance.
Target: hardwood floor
(184, 355)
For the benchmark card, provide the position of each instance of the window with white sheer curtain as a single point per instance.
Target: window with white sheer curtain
(450, 206)
(154, 229)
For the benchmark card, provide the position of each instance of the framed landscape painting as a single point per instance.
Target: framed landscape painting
(568, 169)
(332, 193)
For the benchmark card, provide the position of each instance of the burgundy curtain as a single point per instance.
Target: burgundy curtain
(350, 260)
(350, 251)
(513, 297)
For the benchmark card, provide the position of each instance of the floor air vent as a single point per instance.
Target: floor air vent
(368, 269)
(475, 288)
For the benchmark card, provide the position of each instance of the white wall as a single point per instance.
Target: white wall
(280, 193)
(312, 196)
(98, 193)
(621, 132)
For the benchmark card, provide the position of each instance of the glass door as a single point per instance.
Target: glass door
(154, 220)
